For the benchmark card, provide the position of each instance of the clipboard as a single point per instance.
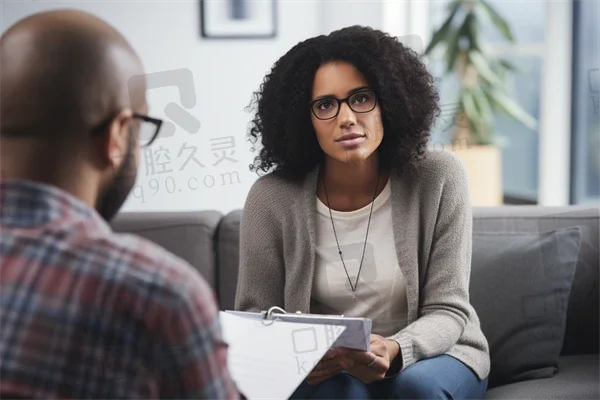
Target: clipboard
(270, 359)
(356, 335)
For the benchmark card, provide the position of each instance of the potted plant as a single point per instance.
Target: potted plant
(482, 93)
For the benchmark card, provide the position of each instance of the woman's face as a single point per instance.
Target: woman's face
(356, 132)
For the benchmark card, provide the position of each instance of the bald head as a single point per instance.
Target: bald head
(64, 72)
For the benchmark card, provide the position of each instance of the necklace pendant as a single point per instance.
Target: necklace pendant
(354, 296)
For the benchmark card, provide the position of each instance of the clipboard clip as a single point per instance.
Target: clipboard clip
(269, 315)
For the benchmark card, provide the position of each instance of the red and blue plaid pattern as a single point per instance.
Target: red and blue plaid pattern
(87, 313)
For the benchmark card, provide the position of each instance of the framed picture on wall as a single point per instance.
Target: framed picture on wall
(238, 19)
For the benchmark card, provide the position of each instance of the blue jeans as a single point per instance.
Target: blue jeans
(442, 377)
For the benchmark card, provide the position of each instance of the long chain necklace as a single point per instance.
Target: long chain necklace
(353, 287)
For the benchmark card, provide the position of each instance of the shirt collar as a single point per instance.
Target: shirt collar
(26, 203)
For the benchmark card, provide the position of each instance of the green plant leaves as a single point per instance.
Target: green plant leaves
(472, 32)
(478, 112)
(468, 104)
(445, 29)
(452, 51)
(485, 10)
(483, 68)
(483, 104)
(460, 36)
(511, 109)
(472, 113)
(509, 66)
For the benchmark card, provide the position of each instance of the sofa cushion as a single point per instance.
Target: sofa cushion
(520, 285)
(577, 378)
(228, 257)
(189, 235)
(583, 313)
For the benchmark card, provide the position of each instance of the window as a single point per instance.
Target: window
(527, 19)
(520, 153)
(585, 145)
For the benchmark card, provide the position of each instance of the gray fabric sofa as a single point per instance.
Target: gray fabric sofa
(208, 240)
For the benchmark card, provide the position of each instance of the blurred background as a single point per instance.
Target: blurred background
(519, 84)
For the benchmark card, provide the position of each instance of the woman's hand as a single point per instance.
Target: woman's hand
(356, 362)
(325, 369)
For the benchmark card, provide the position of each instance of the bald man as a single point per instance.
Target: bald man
(87, 313)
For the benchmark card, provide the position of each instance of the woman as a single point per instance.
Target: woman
(355, 217)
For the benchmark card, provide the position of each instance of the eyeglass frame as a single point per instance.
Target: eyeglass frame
(101, 128)
(341, 101)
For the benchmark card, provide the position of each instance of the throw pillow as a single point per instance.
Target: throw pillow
(520, 286)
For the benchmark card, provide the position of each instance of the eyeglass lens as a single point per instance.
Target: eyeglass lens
(360, 102)
(147, 132)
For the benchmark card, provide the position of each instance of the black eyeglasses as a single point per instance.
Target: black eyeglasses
(362, 101)
(149, 128)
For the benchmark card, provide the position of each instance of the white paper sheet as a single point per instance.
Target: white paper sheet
(357, 334)
(269, 359)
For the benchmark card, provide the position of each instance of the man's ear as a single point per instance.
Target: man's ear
(115, 149)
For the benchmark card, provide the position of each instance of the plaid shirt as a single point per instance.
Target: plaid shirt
(87, 313)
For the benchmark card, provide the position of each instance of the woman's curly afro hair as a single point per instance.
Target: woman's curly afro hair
(405, 89)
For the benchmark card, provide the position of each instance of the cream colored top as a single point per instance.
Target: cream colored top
(381, 289)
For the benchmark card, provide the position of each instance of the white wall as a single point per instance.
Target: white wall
(226, 72)
(336, 14)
